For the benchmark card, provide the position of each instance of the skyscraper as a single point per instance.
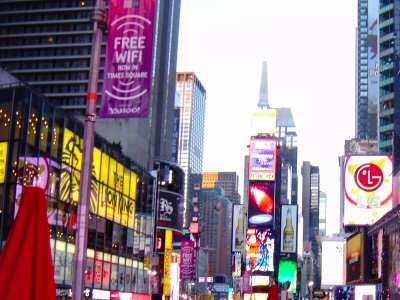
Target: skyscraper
(310, 211)
(48, 45)
(322, 213)
(367, 73)
(216, 221)
(287, 137)
(389, 109)
(263, 101)
(228, 181)
(192, 96)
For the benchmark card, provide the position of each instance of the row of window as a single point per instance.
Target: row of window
(41, 64)
(53, 16)
(66, 88)
(47, 40)
(49, 52)
(85, 25)
(62, 76)
(31, 5)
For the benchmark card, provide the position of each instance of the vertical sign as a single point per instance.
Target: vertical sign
(187, 260)
(3, 160)
(167, 263)
(129, 55)
(238, 229)
(289, 229)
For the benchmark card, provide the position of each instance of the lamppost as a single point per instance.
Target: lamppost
(99, 17)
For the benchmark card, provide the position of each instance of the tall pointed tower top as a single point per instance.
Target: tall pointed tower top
(263, 101)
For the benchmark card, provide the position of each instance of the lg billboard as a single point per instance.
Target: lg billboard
(368, 188)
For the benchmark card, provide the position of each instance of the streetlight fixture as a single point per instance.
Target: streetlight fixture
(310, 289)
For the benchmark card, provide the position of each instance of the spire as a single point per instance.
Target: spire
(263, 101)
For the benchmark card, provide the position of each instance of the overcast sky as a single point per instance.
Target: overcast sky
(310, 49)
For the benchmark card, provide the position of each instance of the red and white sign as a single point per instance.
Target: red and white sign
(368, 188)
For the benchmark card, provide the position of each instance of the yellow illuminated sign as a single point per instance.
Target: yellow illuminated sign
(3, 161)
(167, 263)
(113, 187)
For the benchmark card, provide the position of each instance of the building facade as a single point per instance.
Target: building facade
(45, 140)
(192, 96)
(216, 221)
(287, 137)
(310, 212)
(228, 181)
(48, 45)
(323, 201)
(367, 69)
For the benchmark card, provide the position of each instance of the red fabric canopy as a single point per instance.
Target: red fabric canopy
(26, 265)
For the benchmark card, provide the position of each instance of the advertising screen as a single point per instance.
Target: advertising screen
(354, 257)
(368, 189)
(365, 292)
(188, 257)
(261, 204)
(237, 264)
(289, 229)
(170, 210)
(260, 251)
(238, 233)
(3, 160)
(288, 273)
(129, 54)
(333, 263)
(263, 121)
(262, 160)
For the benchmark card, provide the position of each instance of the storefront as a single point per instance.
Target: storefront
(385, 236)
(40, 145)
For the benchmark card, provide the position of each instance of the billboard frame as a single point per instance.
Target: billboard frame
(346, 195)
(263, 175)
(296, 229)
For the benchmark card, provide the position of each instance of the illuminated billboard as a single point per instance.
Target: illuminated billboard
(354, 258)
(289, 228)
(263, 121)
(368, 188)
(262, 160)
(365, 292)
(333, 263)
(238, 232)
(260, 251)
(237, 264)
(261, 204)
(288, 273)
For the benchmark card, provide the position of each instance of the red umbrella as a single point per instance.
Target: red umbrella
(26, 265)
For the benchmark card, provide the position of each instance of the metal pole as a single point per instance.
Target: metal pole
(78, 283)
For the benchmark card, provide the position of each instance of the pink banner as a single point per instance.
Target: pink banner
(129, 56)
(187, 260)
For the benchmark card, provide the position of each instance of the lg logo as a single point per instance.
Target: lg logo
(368, 177)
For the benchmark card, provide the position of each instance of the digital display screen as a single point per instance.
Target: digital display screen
(261, 204)
(260, 247)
